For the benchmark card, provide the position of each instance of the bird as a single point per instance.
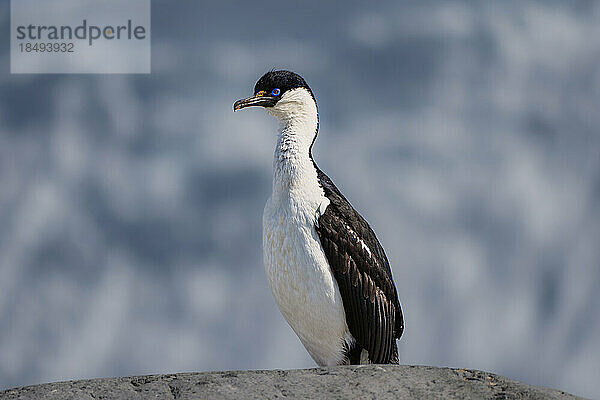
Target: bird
(325, 267)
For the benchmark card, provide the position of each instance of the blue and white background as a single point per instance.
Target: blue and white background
(466, 133)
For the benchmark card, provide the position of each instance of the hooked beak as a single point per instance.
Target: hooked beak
(263, 101)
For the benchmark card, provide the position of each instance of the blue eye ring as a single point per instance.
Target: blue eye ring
(275, 92)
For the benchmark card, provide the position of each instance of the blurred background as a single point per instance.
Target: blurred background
(466, 133)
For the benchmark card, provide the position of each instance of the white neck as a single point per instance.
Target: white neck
(298, 119)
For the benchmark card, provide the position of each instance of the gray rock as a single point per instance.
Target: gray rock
(348, 382)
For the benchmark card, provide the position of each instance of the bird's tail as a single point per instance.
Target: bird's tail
(359, 356)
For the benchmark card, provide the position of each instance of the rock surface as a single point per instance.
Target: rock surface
(372, 382)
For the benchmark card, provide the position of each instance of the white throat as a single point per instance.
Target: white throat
(298, 121)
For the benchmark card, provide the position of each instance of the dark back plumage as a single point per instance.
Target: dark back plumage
(364, 278)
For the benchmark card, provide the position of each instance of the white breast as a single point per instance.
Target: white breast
(300, 278)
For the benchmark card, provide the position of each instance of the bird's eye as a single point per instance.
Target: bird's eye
(275, 92)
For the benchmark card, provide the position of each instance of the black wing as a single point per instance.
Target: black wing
(363, 275)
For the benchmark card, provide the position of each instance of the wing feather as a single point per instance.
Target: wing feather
(363, 274)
